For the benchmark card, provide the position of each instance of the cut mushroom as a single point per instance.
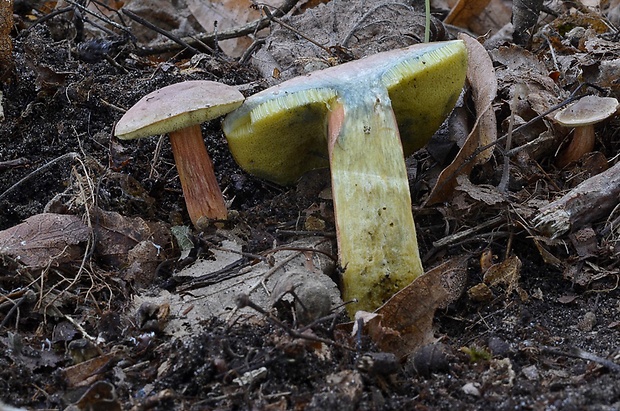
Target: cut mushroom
(178, 110)
(583, 115)
(348, 118)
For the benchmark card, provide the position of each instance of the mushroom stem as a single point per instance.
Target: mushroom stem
(377, 243)
(582, 143)
(197, 176)
(358, 108)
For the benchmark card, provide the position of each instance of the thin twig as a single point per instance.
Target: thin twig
(29, 296)
(233, 33)
(575, 352)
(161, 31)
(18, 162)
(244, 301)
(47, 17)
(38, 171)
(294, 30)
(100, 17)
(369, 13)
(503, 184)
(466, 233)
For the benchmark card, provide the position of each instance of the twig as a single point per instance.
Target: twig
(273, 270)
(503, 184)
(100, 17)
(163, 32)
(304, 249)
(369, 13)
(575, 352)
(47, 17)
(39, 170)
(294, 30)
(243, 300)
(327, 234)
(18, 162)
(29, 296)
(466, 233)
(236, 32)
(583, 204)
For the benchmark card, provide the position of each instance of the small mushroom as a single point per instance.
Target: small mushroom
(583, 115)
(178, 110)
(348, 117)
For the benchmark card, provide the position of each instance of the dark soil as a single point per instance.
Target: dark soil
(554, 346)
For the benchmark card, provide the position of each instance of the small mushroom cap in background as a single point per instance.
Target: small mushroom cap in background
(176, 107)
(587, 111)
(280, 133)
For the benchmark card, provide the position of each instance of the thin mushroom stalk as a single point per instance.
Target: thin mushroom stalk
(178, 110)
(203, 196)
(351, 115)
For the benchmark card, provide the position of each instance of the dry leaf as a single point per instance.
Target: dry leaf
(116, 235)
(464, 11)
(489, 194)
(481, 77)
(221, 15)
(524, 18)
(507, 273)
(405, 322)
(45, 240)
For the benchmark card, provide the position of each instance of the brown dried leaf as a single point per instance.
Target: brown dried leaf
(524, 17)
(481, 77)
(45, 239)
(506, 273)
(116, 235)
(79, 374)
(221, 15)
(489, 194)
(405, 322)
(464, 11)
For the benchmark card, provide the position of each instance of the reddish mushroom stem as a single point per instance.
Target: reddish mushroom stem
(197, 176)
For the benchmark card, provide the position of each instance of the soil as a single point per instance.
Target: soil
(550, 342)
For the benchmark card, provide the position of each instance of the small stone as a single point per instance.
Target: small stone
(498, 347)
(531, 373)
(588, 322)
(471, 389)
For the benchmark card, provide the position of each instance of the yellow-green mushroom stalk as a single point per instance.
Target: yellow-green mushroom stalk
(361, 119)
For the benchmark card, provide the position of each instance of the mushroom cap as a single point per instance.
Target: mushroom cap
(280, 133)
(587, 111)
(176, 107)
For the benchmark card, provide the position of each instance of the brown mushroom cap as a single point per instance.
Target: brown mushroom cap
(587, 111)
(177, 106)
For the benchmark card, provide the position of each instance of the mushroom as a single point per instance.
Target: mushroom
(348, 117)
(582, 115)
(178, 110)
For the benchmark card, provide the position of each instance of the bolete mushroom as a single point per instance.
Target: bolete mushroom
(583, 115)
(178, 110)
(348, 117)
